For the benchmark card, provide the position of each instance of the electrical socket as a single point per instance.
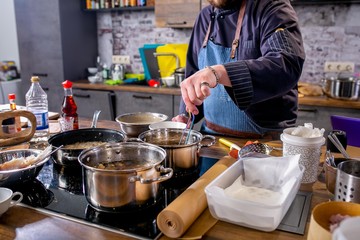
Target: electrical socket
(121, 59)
(339, 67)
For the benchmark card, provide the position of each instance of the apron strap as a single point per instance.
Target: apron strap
(235, 42)
(207, 33)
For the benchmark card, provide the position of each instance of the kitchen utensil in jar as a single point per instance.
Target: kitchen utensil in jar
(341, 135)
(338, 145)
(347, 187)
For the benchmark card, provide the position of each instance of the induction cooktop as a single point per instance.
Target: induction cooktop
(59, 191)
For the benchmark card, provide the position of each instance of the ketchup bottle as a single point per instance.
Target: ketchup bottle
(69, 107)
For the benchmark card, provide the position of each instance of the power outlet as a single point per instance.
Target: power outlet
(121, 59)
(339, 67)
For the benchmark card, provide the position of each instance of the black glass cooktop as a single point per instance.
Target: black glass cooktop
(59, 191)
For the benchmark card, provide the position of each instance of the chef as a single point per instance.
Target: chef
(243, 65)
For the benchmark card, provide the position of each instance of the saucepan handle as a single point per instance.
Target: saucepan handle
(212, 142)
(168, 172)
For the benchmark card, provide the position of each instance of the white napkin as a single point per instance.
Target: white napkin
(348, 229)
(271, 172)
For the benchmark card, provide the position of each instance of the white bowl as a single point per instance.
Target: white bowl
(167, 124)
(169, 81)
(92, 70)
(93, 79)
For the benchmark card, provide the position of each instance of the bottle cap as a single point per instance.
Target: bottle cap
(35, 79)
(11, 96)
(67, 84)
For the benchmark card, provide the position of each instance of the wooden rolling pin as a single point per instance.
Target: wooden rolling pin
(7, 139)
(176, 218)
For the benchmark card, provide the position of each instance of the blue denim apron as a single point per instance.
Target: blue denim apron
(219, 108)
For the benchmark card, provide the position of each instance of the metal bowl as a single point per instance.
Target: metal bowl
(18, 176)
(132, 124)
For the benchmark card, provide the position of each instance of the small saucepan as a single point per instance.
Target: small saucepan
(182, 158)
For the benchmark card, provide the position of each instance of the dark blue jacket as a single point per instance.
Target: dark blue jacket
(270, 62)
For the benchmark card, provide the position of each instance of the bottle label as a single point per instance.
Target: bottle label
(42, 120)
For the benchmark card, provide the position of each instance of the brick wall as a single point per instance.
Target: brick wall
(330, 33)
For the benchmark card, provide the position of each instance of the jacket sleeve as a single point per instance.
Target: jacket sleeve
(279, 66)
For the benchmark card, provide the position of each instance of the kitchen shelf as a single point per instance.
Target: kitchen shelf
(120, 9)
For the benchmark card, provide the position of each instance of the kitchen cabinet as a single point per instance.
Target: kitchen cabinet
(57, 41)
(320, 116)
(176, 13)
(127, 102)
(88, 101)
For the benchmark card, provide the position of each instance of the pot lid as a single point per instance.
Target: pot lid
(180, 70)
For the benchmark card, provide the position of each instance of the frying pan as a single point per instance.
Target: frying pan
(69, 157)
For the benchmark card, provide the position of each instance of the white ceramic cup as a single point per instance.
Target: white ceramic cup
(6, 199)
(309, 150)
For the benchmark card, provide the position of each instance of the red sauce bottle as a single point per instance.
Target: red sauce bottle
(69, 107)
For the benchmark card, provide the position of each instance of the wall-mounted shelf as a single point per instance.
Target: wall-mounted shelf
(120, 9)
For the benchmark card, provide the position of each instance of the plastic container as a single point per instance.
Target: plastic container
(309, 150)
(37, 103)
(255, 215)
(69, 107)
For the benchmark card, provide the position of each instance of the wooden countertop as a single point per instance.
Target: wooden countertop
(24, 223)
(322, 101)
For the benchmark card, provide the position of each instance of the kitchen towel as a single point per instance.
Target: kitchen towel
(177, 217)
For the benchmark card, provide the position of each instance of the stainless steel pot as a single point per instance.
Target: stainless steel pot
(342, 88)
(133, 184)
(179, 75)
(180, 157)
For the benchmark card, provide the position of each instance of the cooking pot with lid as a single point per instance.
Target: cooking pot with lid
(346, 88)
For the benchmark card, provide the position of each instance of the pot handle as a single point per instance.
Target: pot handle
(159, 168)
(209, 144)
(95, 118)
